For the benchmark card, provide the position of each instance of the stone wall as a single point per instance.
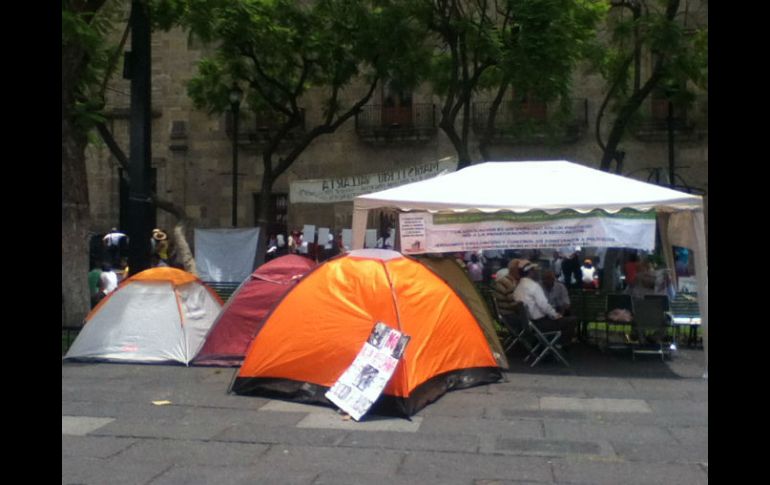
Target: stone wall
(192, 152)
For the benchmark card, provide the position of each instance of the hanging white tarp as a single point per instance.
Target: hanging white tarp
(225, 255)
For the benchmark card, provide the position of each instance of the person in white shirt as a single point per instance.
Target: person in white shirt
(386, 240)
(590, 277)
(113, 242)
(542, 314)
(556, 292)
(108, 280)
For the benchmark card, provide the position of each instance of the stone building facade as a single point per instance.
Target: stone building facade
(192, 150)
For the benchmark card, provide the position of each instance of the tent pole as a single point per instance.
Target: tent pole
(701, 273)
(665, 242)
(359, 227)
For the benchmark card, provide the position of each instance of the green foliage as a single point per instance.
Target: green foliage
(84, 44)
(683, 52)
(277, 50)
(533, 43)
(552, 36)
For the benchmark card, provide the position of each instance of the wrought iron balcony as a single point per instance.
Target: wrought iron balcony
(687, 124)
(257, 129)
(522, 123)
(378, 124)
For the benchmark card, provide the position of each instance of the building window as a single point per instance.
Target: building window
(278, 214)
(396, 107)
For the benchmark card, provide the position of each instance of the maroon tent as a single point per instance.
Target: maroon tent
(248, 307)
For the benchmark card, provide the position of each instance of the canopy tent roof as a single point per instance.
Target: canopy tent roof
(551, 186)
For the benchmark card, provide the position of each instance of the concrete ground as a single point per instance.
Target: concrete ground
(605, 420)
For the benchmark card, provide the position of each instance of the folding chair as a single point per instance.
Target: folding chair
(649, 330)
(684, 311)
(516, 329)
(617, 301)
(545, 341)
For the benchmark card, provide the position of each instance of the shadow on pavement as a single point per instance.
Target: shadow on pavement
(588, 361)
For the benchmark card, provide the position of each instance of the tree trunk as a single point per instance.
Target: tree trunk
(489, 127)
(263, 213)
(75, 227)
(463, 155)
(611, 257)
(183, 252)
(75, 214)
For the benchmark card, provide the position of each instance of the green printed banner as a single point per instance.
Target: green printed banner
(422, 232)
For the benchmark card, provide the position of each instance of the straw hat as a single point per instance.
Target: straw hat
(529, 266)
(159, 235)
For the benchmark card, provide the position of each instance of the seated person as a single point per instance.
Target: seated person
(556, 292)
(541, 313)
(503, 291)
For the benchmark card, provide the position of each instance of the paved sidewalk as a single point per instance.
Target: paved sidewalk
(605, 420)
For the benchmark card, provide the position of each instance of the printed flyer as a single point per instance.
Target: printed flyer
(363, 382)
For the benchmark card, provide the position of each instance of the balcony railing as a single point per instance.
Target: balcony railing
(387, 124)
(520, 123)
(257, 129)
(687, 124)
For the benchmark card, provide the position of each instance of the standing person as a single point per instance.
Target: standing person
(331, 248)
(114, 241)
(272, 247)
(161, 245)
(475, 270)
(556, 293)
(494, 261)
(156, 262)
(98, 295)
(153, 241)
(570, 268)
(589, 276)
(556, 262)
(122, 272)
(542, 314)
(631, 269)
(108, 280)
(93, 279)
(341, 248)
(645, 279)
(280, 243)
(294, 241)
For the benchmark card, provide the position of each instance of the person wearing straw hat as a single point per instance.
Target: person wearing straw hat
(160, 239)
(543, 315)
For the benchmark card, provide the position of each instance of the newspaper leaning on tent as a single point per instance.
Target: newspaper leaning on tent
(362, 383)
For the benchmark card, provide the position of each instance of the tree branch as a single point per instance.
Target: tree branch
(286, 162)
(113, 146)
(607, 98)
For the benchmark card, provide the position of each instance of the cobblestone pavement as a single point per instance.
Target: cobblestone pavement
(605, 420)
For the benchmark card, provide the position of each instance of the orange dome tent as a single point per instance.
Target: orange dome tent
(319, 327)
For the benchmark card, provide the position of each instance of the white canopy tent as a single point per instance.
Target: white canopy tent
(551, 186)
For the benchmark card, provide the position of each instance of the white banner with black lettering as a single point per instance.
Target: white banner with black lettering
(423, 232)
(343, 189)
